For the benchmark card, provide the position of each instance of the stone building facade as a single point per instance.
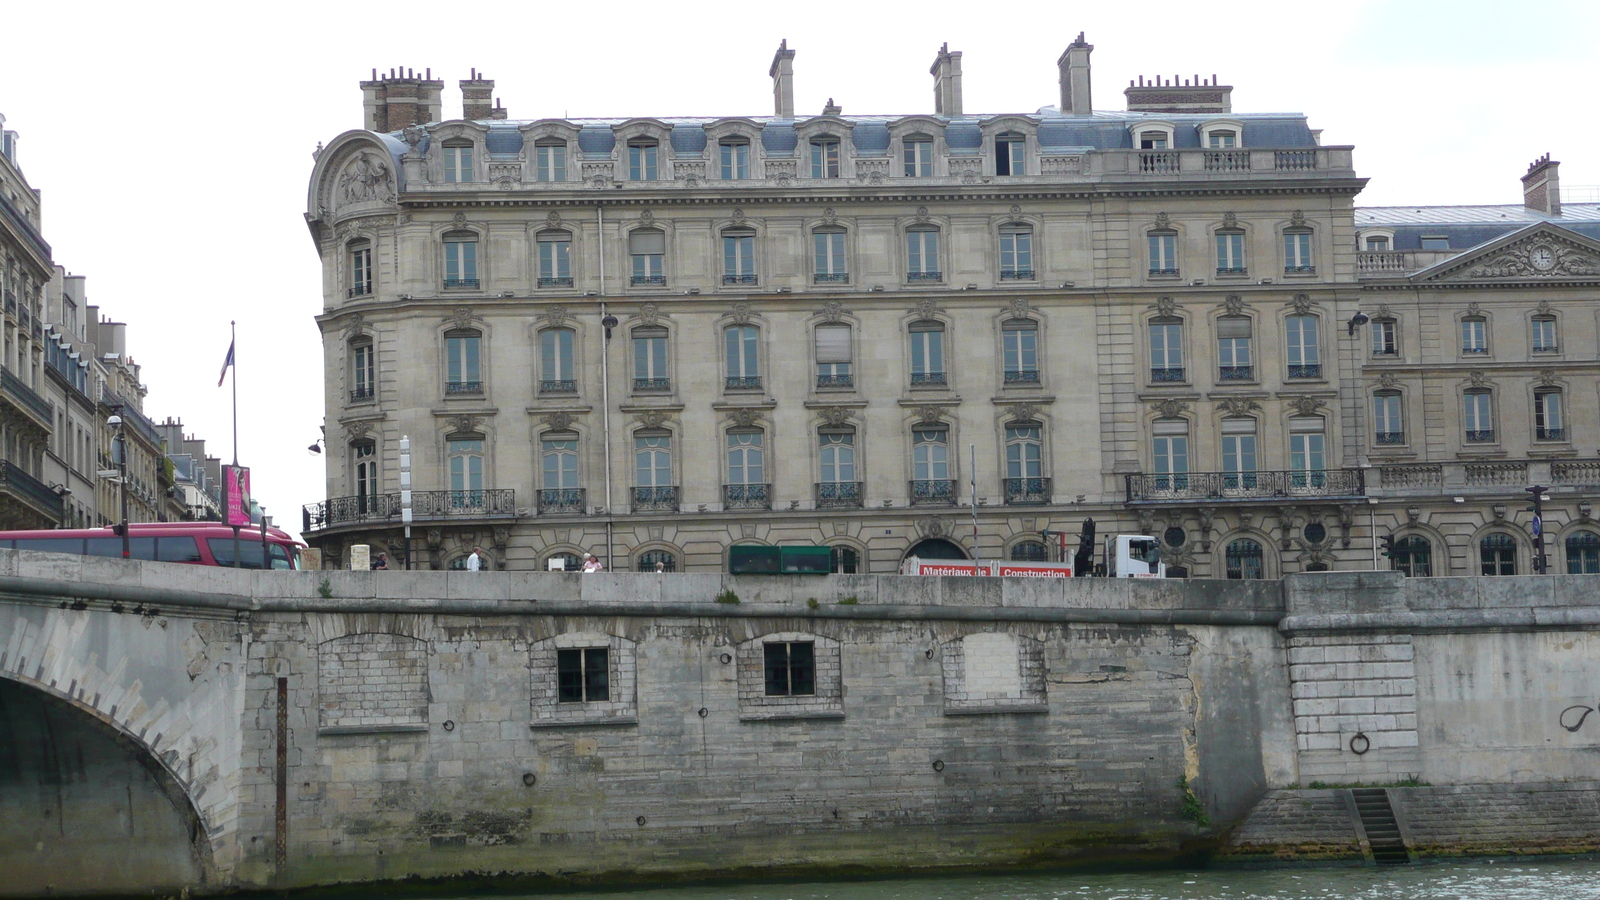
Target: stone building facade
(940, 334)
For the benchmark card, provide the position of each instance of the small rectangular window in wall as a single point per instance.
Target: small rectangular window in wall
(583, 678)
(789, 675)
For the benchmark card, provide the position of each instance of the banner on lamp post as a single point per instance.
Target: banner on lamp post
(236, 495)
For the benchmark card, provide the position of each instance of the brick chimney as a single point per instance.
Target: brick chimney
(1074, 66)
(393, 101)
(1541, 187)
(946, 74)
(782, 73)
(476, 99)
(1179, 95)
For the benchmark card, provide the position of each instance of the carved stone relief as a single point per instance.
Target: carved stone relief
(365, 179)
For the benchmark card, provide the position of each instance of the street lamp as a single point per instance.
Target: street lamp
(122, 480)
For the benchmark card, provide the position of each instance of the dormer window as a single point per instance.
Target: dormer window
(1153, 140)
(825, 157)
(1436, 242)
(457, 161)
(1222, 140)
(1010, 154)
(918, 155)
(1377, 243)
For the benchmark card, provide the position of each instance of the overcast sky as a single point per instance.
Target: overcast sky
(173, 141)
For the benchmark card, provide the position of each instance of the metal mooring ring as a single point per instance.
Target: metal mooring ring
(1365, 743)
(938, 765)
(704, 712)
(726, 658)
(528, 778)
(640, 820)
(449, 725)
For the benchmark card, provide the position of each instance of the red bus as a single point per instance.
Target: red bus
(196, 543)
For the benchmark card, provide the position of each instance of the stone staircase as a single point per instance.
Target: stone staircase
(1378, 821)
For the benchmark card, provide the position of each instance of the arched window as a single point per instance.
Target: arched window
(463, 374)
(931, 484)
(1016, 252)
(1297, 252)
(363, 372)
(364, 463)
(464, 453)
(828, 256)
(922, 253)
(747, 486)
(647, 248)
(1583, 553)
(1245, 560)
(735, 153)
(825, 157)
(1498, 553)
(652, 463)
(1548, 422)
(1028, 551)
(918, 156)
(742, 343)
(457, 161)
(1166, 349)
(569, 562)
(844, 560)
(1163, 244)
(927, 354)
(650, 359)
(559, 491)
(1300, 338)
(1477, 417)
(360, 268)
(1010, 153)
(1544, 334)
(556, 366)
(837, 486)
(461, 259)
(833, 352)
(739, 256)
(657, 561)
(1230, 252)
(1413, 555)
(555, 258)
(550, 160)
(1388, 421)
(1025, 482)
(642, 159)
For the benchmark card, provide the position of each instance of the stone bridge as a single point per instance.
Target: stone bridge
(164, 726)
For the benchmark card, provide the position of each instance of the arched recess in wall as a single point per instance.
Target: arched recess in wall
(936, 548)
(87, 808)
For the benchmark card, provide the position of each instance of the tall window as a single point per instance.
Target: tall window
(1583, 553)
(1166, 349)
(746, 458)
(833, 356)
(1498, 554)
(461, 363)
(457, 161)
(1239, 454)
(828, 245)
(922, 254)
(364, 457)
(1233, 349)
(1245, 560)
(1413, 555)
(930, 463)
(360, 268)
(791, 668)
(1477, 418)
(1388, 424)
(556, 365)
(461, 260)
(739, 256)
(465, 455)
(1019, 340)
(650, 359)
(1384, 342)
(742, 346)
(927, 354)
(735, 159)
(551, 160)
(1548, 423)
(582, 675)
(918, 152)
(825, 157)
(1016, 252)
(1307, 459)
(1297, 252)
(837, 454)
(559, 456)
(1544, 334)
(642, 160)
(648, 249)
(1474, 335)
(1163, 252)
(1010, 154)
(1170, 454)
(1305, 358)
(555, 259)
(652, 459)
(363, 371)
(1230, 253)
(1024, 451)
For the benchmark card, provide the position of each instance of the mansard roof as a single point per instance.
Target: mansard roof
(1539, 253)
(1471, 226)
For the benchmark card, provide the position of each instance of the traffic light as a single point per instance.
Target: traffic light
(1386, 543)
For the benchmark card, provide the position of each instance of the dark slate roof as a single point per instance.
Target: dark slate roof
(1469, 226)
(688, 139)
(504, 140)
(871, 138)
(778, 137)
(596, 139)
(963, 135)
(1463, 237)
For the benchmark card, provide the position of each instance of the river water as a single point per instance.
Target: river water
(1476, 880)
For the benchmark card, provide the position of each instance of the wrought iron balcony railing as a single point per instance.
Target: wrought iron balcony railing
(1236, 373)
(838, 495)
(363, 395)
(928, 379)
(558, 386)
(1026, 491)
(28, 398)
(360, 290)
(831, 278)
(1023, 377)
(738, 279)
(1232, 270)
(1016, 274)
(33, 492)
(1306, 370)
(463, 387)
(1213, 486)
(923, 276)
(656, 498)
(1166, 373)
(649, 279)
(1299, 270)
(1391, 437)
(555, 501)
(747, 496)
(1480, 436)
(384, 509)
(743, 383)
(835, 381)
(1163, 270)
(933, 492)
(1551, 434)
(461, 282)
(652, 384)
(555, 281)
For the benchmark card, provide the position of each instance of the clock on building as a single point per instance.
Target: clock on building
(1543, 258)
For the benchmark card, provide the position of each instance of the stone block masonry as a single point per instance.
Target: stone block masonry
(1355, 707)
(372, 682)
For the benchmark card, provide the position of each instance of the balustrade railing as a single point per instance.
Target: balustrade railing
(1485, 474)
(923, 276)
(1381, 261)
(1575, 471)
(1158, 162)
(831, 278)
(1294, 160)
(1148, 487)
(1227, 160)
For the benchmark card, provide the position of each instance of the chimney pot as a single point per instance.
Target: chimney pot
(782, 74)
(1076, 90)
(946, 72)
(1541, 187)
